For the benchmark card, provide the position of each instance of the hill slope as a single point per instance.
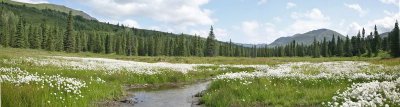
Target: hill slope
(307, 38)
(55, 7)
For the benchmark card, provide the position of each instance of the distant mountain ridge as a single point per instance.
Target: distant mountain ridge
(307, 38)
(55, 7)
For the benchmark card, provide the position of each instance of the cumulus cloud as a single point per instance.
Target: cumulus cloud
(384, 24)
(220, 33)
(307, 21)
(394, 2)
(174, 12)
(357, 8)
(32, 1)
(126, 22)
(256, 32)
(290, 5)
(354, 28)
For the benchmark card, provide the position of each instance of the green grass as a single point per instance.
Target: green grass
(35, 96)
(261, 92)
(10, 52)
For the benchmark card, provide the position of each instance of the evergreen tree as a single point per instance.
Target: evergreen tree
(108, 44)
(19, 37)
(339, 47)
(210, 44)
(377, 42)
(78, 46)
(348, 47)
(69, 37)
(362, 41)
(394, 41)
(332, 47)
(50, 41)
(316, 51)
(369, 45)
(325, 48)
(358, 45)
(44, 36)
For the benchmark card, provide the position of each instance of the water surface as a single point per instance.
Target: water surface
(175, 97)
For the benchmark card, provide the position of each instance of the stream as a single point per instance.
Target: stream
(173, 97)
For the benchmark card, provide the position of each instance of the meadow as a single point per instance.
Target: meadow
(41, 78)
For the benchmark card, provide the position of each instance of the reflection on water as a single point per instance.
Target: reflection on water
(175, 97)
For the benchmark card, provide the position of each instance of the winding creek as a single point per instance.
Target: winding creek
(172, 97)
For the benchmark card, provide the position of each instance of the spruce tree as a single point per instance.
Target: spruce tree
(369, 45)
(78, 46)
(348, 47)
(19, 39)
(69, 37)
(377, 42)
(44, 36)
(332, 48)
(394, 41)
(316, 49)
(50, 41)
(325, 48)
(339, 47)
(108, 44)
(211, 44)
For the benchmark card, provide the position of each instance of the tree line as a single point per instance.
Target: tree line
(367, 45)
(57, 31)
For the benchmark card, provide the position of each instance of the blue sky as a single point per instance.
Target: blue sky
(243, 21)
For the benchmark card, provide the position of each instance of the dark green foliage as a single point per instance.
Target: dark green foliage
(19, 41)
(395, 41)
(339, 47)
(108, 44)
(44, 36)
(210, 44)
(69, 37)
(325, 52)
(316, 49)
(348, 48)
(376, 43)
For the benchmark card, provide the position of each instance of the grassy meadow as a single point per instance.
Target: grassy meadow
(36, 78)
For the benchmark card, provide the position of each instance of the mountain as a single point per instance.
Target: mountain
(307, 38)
(386, 34)
(55, 7)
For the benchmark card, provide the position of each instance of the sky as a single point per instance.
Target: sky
(242, 21)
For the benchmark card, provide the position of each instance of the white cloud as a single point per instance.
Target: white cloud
(353, 29)
(127, 22)
(32, 1)
(307, 21)
(384, 24)
(357, 8)
(394, 2)
(290, 5)
(174, 12)
(256, 32)
(260, 2)
(220, 34)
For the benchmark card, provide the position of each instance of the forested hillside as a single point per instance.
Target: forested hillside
(28, 27)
